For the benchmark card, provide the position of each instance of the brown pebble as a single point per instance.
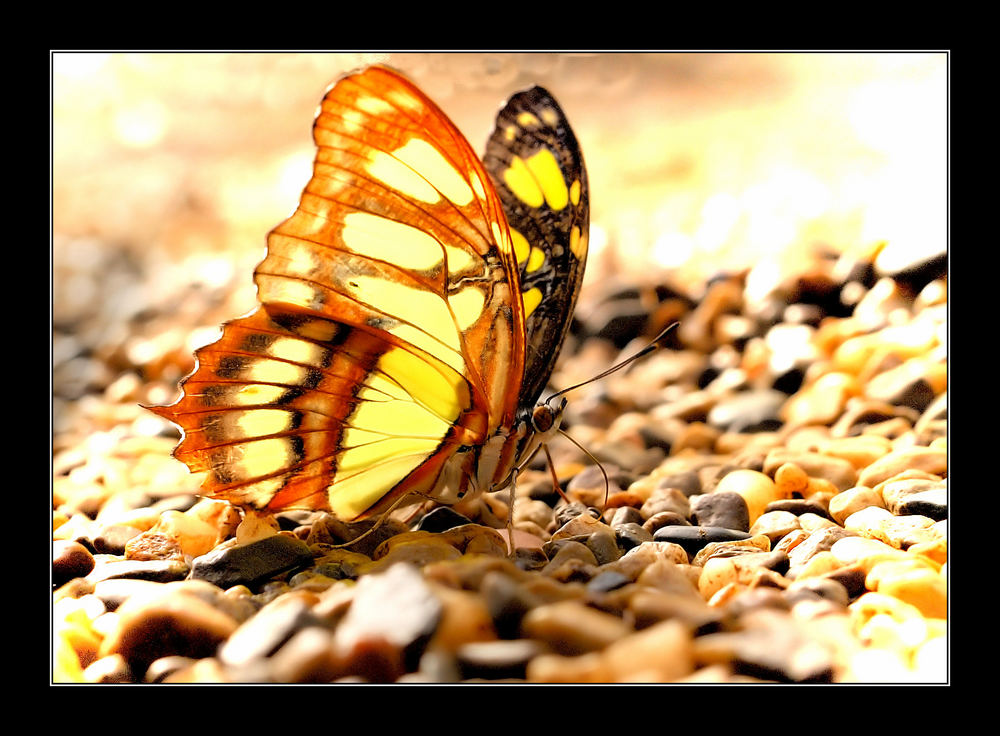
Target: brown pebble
(70, 560)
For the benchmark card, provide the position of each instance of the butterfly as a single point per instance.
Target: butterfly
(412, 309)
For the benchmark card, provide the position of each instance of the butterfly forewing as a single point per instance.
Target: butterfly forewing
(536, 165)
(389, 333)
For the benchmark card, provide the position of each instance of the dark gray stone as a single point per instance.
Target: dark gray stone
(252, 564)
(631, 535)
(725, 509)
(693, 538)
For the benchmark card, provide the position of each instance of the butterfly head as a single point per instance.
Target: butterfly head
(547, 416)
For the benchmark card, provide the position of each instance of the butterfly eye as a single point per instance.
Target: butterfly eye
(543, 417)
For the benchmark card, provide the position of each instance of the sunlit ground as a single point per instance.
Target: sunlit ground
(697, 161)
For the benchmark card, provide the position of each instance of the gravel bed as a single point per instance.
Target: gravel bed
(775, 510)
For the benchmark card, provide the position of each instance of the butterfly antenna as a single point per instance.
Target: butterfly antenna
(607, 483)
(656, 343)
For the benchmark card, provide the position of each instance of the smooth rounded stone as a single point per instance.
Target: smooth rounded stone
(748, 411)
(392, 616)
(864, 551)
(465, 617)
(670, 577)
(112, 538)
(756, 488)
(693, 538)
(721, 508)
(111, 669)
(582, 525)
(909, 384)
(811, 522)
(852, 577)
(307, 657)
(115, 591)
(820, 402)
(564, 513)
(363, 537)
(863, 520)
(790, 480)
(262, 634)
(752, 599)
(841, 473)
(607, 580)
(932, 503)
(626, 515)
(570, 627)
(666, 498)
(798, 507)
(169, 622)
(440, 519)
(507, 602)
(860, 451)
(162, 668)
(631, 535)
(821, 540)
(497, 660)
(532, 510)
(70, 560)
(896, 491)
(160, 571)
(687, 482)
(853, 500)
(530, 558)
(926, 459)
(253, 563)
(340, 564)
(775, 525)
(903, 532)
(649, 606)
(770, 646)
(865, 415)
(604, 545)
(664, 518)
(817, 587)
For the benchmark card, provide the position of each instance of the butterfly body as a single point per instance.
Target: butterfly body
(412, 309)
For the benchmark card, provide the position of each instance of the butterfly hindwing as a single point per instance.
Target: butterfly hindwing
(537, 167)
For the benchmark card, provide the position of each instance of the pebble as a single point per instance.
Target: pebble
(70, 560)
(570, 627)
(693, 538)
(261, 635)
(391, 618)
(853, 500)
(721, 508)
(756, 488)
(251, 564)
(926, 459)
(168, 622)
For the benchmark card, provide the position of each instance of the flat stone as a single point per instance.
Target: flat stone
(160, 571)
(693, 538)
(252, 564)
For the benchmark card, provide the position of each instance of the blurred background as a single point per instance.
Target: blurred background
(169, 169)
